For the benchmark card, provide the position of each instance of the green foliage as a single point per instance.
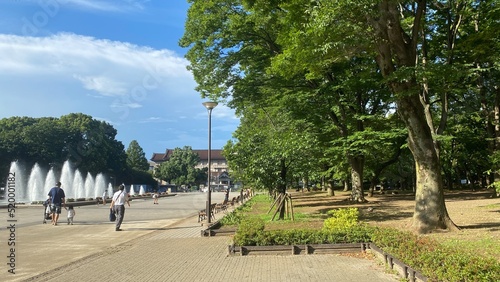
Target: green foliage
(356, 234)
(241, 212)
(136, 158)
(233, 218)
(249, 231)
(139, 176)
(341, 219)
(180, 167)
(292, 237)
(436, 261)
(88, 143)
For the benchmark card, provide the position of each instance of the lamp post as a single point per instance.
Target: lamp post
(210, 106)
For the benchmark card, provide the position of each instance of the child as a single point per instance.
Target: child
(155, 197)
(71, 214)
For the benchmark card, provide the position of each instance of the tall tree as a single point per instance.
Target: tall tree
(88, 143)
(260, 50)
(267, 149)
(391, 31)
(180, 167)
(136, 158)
(91, 144)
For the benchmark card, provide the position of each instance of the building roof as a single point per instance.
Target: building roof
(203, 154)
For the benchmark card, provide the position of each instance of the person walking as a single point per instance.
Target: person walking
(118, 205)
(104, 198)
(226, 196)
(57, 198)
(155, 197)
(71, 214)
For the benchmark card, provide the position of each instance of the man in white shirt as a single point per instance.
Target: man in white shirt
(118, 205)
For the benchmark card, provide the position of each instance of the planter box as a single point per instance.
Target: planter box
(393, 263)
(297, 249)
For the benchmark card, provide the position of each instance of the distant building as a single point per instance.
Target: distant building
(219, 170)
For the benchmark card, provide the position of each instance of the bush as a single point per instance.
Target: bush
(249, 232)
(252, 233)
(240, 213)
(233, 218)
(435, 261)
(341, 219)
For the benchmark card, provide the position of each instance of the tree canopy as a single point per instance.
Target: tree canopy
(180, 168)
(346, 69)
(88, 143)
(136, 158)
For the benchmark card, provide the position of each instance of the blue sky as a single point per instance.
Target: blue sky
(118, 61)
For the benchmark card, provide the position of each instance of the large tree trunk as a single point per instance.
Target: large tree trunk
(357, 165)
(346, 185)
(430, 209)
(282, 189)
(396, 49)
(329, 190)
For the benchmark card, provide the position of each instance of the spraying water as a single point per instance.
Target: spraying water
(34, 184)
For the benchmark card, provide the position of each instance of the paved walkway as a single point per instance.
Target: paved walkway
(167, 250)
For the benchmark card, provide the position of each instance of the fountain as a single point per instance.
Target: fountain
(20, 175)
(36, 183)
(100, 185)
(79, 185)
(89, 185)
(132, 191)
(142, 191)
(50, 181)
(36, 186)
(109, 192)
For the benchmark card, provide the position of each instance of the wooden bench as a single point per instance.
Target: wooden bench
(220, 207)
(202, 214)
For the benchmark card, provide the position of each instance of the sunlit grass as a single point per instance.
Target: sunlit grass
(487, 246)
(492, 206)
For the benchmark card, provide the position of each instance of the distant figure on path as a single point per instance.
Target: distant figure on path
(71, 214)
(104, 198)
(226, 196)
(155, 197)
(118, 204)
(57, 198)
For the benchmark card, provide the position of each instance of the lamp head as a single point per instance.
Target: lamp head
(210, 105)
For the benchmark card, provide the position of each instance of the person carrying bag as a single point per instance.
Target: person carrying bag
(118, 206)
(112, 215)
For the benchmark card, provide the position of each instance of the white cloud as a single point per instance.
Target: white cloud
(95, 5)
(137, 89)
(103, 85)
(109, 68)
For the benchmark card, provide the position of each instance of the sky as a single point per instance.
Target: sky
(116, 60)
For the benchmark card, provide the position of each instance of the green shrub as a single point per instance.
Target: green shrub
(341, 219)
(255, 235)
(292, 237)
(249, 231)
(233, 218)
(436, 261)
(238, 214)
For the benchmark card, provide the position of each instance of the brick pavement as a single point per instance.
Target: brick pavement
(158, 247)
(179, 253)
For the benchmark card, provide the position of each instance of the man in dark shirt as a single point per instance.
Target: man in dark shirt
(57, 198)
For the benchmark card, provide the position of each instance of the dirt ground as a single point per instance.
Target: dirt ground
(476, 213)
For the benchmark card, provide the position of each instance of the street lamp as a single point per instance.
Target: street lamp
(210, 106)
